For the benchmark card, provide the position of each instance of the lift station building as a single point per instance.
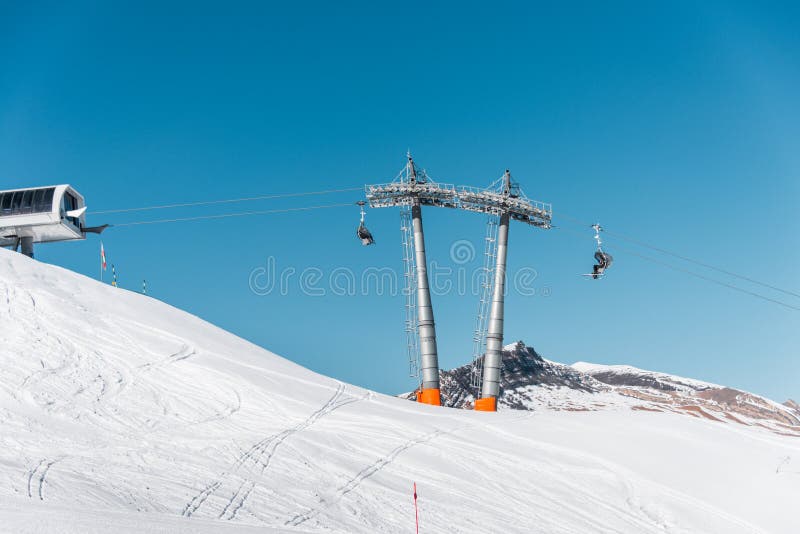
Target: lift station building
(42, 215)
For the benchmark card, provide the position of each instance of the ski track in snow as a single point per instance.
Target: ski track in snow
(185, 352)
(364, 474)
(37, 476)
(260, 454)
(237, 501)
(380, 464)
(785, 467)
(31, 474)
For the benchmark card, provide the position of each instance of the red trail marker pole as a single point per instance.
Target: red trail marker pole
(416, 511)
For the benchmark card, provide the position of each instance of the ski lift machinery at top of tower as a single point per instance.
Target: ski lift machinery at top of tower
(414, 187)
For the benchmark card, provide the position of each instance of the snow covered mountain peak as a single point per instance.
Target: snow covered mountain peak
(530, 382)
(629, 374)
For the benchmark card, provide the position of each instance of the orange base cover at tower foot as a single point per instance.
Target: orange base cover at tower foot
(429, 396)
(486, 404)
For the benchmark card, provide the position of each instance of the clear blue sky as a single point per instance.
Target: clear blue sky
(677, 123)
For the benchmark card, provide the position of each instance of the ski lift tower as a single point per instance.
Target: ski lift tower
(503, 201)
(411, 190)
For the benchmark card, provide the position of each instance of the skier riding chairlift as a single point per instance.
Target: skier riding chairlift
(603, 262)
(603, 259)
(363, 234)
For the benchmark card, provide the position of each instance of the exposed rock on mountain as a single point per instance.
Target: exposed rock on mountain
(530, 382)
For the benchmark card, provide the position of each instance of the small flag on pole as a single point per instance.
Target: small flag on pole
(416, 510)
(102, 260)
(114, 274)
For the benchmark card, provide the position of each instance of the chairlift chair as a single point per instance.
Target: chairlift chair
(362, 232)
(602, 258)
(603, 262)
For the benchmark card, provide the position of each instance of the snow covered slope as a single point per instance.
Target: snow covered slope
(120, 413)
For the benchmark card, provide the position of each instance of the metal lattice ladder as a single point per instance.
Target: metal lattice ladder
(486, 280)
(410, 290)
